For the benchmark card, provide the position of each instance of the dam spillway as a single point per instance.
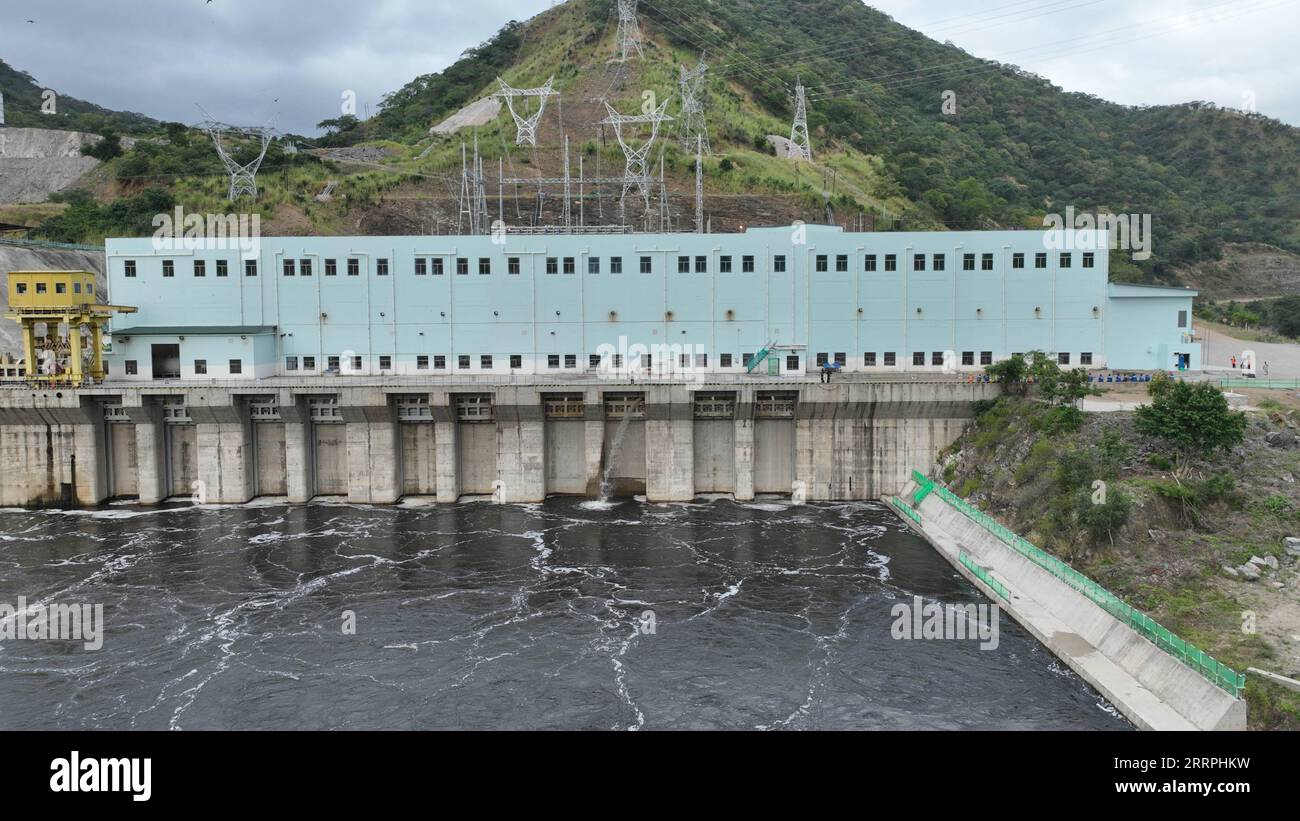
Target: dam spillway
(375, 442)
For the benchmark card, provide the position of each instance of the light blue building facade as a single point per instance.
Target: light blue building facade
(557, 304)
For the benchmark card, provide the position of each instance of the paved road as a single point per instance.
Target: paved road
(1283, 359)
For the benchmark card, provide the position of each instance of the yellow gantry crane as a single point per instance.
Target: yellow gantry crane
(62, 325)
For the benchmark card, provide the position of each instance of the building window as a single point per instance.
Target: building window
(422, 363)
(462, 266)
(822, 359)
(356, 363)
(439, 363)
(701, 265)
(724, 265)
(968, 262)
(462, 362)
(21, 287)
(309, 363)
(841, 263)
(200, 268)
(223, 268)
(821, 263)
(724, 360)
(200, 367)
(616, 265)
(1018, 260)
(890, 359)
(40, 288)
(304, 267)
(778, 263)
(553, 360)
(289, 266)
(332, 363)
(484, 266)
(792, 363)
(986, 262)
(593, 360)
(936, 358)
(421, 267)
(683, 265)
(986, 357)
(60, 287)
(354, 266)
(570, 360)
(332, 267)
(1182, 319)
(747, 264)
(1040, 259)
(1063, 359)
(385, 363)
(701, 360)
(485, 362)
(871, 262)
(918, 262)
(684, 360)
(940, 262)
(291, 363)
(250, 267)
(1085, 358)
(593, 265)
(381, 267)
(512, 265)
(516, 361)
(647, 265)
(1089, 259)
(131, 368)
(128, 268)
(891, 262)
(236, 367)
(918, 358)
(552, 265)
(841, 359)
(869, 359)
(968, 357)
(569, 265)
(169, 268)
(1067, 259)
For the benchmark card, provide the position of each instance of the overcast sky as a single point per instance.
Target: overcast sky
(247, 61)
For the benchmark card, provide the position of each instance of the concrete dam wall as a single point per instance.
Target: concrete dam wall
(377, 444)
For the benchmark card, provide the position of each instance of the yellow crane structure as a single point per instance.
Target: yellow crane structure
(62, 325)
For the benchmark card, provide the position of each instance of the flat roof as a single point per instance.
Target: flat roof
(196, 330)
(1132, 289)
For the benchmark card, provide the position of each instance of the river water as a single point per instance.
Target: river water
(563, 615)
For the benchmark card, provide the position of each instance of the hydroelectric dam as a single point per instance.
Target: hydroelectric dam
(376, 442)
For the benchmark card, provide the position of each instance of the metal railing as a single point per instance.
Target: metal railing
(982, 574)
(907, 511)
(1218, 673)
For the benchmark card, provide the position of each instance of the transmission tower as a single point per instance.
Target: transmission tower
(699, 185)
(473, 193)
(692, 125)
(800, 144)
(636, 175)
(628, 40)
(526, 124)
(243, 176)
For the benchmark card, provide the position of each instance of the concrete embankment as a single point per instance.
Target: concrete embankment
(378, 442)
(1152, 688)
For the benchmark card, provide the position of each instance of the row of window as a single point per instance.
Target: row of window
(890, 358)
(236, 366)
(487, 361)
(568, 265)
(59, 287)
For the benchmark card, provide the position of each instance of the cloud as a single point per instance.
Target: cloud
(251, 61)
(1151, 53)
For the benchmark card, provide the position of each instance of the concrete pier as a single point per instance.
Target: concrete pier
(376, 442)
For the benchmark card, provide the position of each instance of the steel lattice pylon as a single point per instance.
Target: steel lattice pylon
(628, 39)
(692, 128)
(243, 176)
(636, 175)
(526, 125)
(800, 144)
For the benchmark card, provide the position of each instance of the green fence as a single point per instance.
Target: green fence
(1280, 384)
(982, 574)
(1221, 674)
(907, 511)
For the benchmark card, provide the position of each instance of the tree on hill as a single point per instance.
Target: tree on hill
(1193, 419)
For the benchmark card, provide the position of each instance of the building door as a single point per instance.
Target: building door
(166, 361)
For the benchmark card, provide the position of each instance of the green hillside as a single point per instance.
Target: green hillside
(1017, 148)
(22, 97)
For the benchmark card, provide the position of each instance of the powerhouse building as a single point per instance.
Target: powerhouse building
(563, 304)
